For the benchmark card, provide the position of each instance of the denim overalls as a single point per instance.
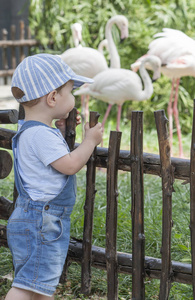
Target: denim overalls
(38, 233)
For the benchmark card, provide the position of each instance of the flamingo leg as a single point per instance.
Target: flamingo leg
(87, 108)
(106, 115)
(118, 117)
(176, 116)
(82, 113)
(105, 118)
(170, 115)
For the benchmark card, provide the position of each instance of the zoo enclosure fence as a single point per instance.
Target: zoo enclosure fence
(138, 163)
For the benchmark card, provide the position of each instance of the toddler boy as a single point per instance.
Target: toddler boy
(39, 228)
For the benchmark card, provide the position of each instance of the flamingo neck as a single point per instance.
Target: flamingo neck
(148, 87)
(114, 57)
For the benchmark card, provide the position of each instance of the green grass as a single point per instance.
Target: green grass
(153, 220)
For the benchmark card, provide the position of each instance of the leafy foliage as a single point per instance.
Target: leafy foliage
(51, 20)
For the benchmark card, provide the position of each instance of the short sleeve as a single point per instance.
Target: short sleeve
(48, 144)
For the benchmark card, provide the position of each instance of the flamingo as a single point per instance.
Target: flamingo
(103, 44)
(176, 51)
(89, 62)
(77, 34)
(86, 61)
(115, 86)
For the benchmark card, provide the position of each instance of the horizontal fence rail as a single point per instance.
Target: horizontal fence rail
(151, 162)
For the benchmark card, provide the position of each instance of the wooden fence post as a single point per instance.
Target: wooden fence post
(192, 201)
(111, 216)
(137, 207)
(13, 49)
(167, 189)
(70, 133)
(22, 37)
(4, 53)
(88, 218)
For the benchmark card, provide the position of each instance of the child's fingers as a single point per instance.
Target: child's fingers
(60, 123)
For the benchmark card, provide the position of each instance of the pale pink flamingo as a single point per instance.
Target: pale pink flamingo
(89, 62)
(177, 53)
(77, 34)
(115, 86)
(103, 44)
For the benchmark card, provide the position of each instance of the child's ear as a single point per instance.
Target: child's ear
(51, 98)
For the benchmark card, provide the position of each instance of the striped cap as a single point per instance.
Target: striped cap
(39, 74)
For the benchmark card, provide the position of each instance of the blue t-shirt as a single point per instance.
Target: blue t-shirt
(37, 148)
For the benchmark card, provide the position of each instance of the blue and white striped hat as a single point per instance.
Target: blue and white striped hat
(39, 74)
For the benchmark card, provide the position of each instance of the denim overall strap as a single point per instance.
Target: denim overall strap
(18, 181)
(65, 197)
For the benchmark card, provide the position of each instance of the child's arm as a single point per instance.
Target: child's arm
(72, 162)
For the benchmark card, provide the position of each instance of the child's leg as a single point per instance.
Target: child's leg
(41, 297)
(18, 294)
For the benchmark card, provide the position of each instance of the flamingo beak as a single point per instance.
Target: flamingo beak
(124, 33)
(79, 36)
(156, 75)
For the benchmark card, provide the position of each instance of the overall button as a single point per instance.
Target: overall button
(46, 207)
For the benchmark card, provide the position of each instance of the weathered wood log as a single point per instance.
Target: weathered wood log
(3, 236)
(137, 207)
(181, 272)
(5, 164)
(88, 217)
(151, 161)
(6, 136)
(192, 201)
(8, 116)
(4, 73)
(6, 208)
(111, 215)
(167, 189)
(22, 42)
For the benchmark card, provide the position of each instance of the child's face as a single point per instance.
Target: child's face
(66, 100)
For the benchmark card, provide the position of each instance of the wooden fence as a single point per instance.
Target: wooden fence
(13, 51)
(138, 163)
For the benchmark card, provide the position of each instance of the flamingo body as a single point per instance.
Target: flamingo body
(177, 54)
(115, 86)
(85, 61)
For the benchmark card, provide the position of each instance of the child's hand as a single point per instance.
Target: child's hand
(78, 118)
(61, 125)
(94, 134)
